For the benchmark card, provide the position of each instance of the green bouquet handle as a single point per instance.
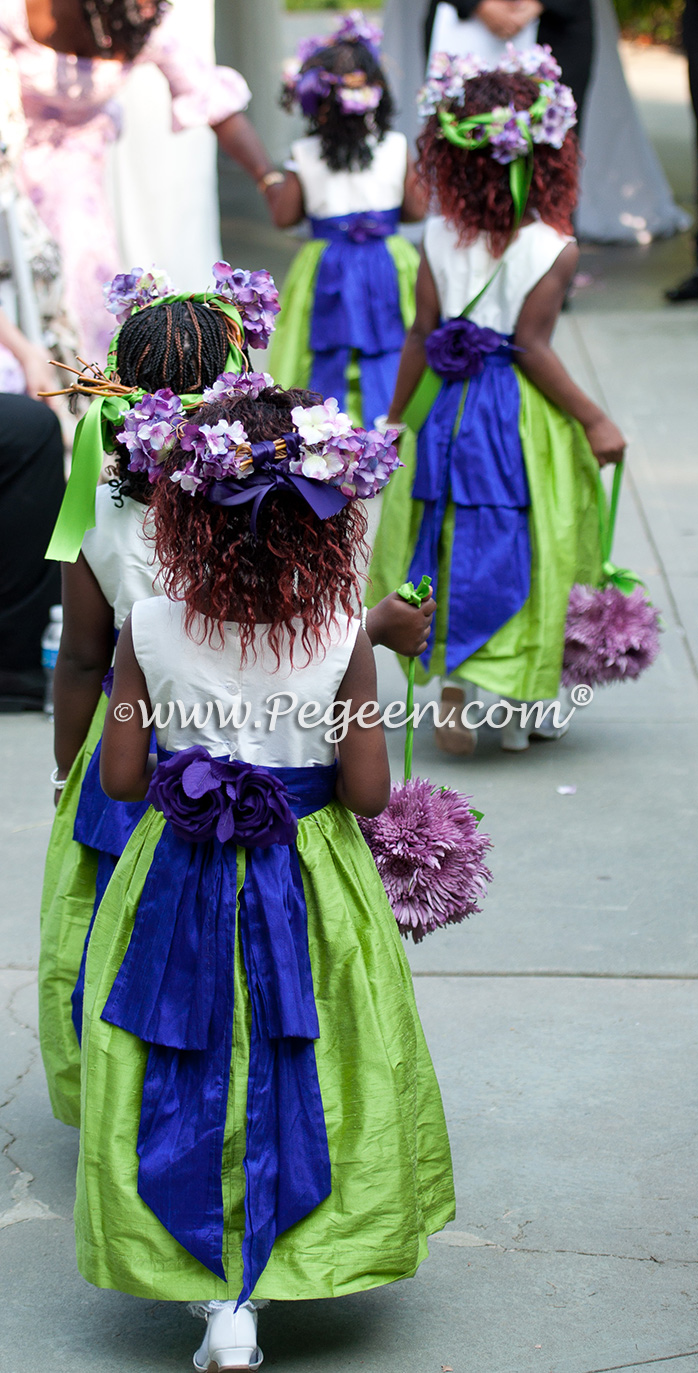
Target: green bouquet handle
(414, 596)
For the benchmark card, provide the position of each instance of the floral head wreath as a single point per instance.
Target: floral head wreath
(323, 458)
(355, 94)
(247, 303)
(510, 134)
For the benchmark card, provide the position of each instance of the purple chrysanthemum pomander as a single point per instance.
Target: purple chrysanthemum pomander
(430, 856)
(609, 637)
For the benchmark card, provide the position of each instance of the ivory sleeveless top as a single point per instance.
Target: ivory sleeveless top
(460, 272)
(119, 553)
(179, 669)
(380, 186)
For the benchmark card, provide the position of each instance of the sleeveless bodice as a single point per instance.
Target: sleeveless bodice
(380, 186)
(460, 272)
(120, 554)
(177, 668)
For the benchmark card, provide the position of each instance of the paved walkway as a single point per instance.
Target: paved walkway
(563, 1020)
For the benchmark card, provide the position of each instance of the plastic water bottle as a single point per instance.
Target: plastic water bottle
(50, 644)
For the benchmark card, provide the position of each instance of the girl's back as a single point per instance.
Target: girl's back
(460, 272)
(326, 193)
(268, 696)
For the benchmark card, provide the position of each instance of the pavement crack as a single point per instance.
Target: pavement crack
(24, 1207)
(643, 1363)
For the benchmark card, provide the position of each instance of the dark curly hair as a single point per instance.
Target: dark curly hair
(295, 567)
(182, 345)
(119, 28)
(472, 190)
(344, 144)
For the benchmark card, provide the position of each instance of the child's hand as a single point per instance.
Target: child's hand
(605, 440)
(399, 626)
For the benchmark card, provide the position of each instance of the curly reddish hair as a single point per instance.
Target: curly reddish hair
(296, 566)
(472, 190)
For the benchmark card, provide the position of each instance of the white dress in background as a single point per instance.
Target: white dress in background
(625, 196)
(460, 36)
(179, 230)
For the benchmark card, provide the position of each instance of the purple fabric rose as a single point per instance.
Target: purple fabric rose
(458, 349)
(187, 794)
(259, 813)
(218, 798)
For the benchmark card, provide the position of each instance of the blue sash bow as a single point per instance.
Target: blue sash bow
(357, 309)
(174, 990)
(469, 451)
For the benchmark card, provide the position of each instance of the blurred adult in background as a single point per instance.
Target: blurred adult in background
(624, 194)
(566, 25)
(688, 290)
(73, 58)
(31, 491)
(31, 282)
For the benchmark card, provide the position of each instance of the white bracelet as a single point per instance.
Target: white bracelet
(56, 782)
(364, 616)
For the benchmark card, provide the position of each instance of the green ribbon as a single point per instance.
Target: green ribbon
(94, 436)
(413, 597)
(622, 577)
(462, 135)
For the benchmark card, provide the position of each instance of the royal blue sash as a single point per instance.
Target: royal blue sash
(174, 990)
(357, 309)
(477, 462)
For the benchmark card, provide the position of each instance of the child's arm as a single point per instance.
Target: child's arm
(399, 626)
(85, 654)
(413, 360)
(285, 202)
(124, 769)
(363, 784)
(537, 359)
(415, 202)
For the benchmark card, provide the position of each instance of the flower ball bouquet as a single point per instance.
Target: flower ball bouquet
(427, 844)
(612, 631)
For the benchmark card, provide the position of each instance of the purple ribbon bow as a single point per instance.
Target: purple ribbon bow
(458, 349)
(323, 500)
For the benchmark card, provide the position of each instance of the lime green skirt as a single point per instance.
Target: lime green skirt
(392, 1182)
(67, 903)
(523, 659)
(291, 358)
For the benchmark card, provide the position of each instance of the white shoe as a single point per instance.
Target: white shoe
(230, 1341)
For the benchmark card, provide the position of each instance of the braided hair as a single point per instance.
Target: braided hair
(344, 138)
(119, 27)
(181, 344)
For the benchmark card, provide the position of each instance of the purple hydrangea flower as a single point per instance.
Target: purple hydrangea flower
(230, 384)
(254, 295)
(356, 28)
(206, 798)
(458, 349)
(149, 431)
(506, 134)
(312, 87)
(129, 291)
(359, 99)
(372, 465)
(215, 449)
(609, 637)
(430, 855)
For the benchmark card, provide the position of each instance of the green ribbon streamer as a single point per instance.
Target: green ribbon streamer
(94, 435)
(520, 176)
(413, 597)
(623, 577)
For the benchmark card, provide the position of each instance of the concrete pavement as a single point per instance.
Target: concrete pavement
(563, 1020)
